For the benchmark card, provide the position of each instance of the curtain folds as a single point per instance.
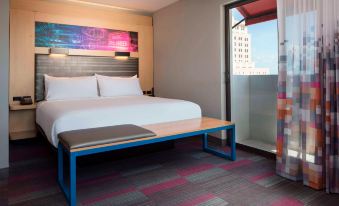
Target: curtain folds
(308, 92)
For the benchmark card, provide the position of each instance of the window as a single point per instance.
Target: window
(262, 39)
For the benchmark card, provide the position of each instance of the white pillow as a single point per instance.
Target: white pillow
(62, 88)
(115, 86)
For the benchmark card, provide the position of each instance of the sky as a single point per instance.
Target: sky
(264, 43)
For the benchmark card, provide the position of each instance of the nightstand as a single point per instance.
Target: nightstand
(22, 121)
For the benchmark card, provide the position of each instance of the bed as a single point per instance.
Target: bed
(100, 112)
(58, 116)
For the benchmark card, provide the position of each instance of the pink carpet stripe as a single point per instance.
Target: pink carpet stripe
(32, 188)
(195, 169)
(163, 186)
(287, 201)
(261, 176)
(106, 196)
(27, 154)
(236, 164)
(198, 200)
(98, 179)
(32, 174)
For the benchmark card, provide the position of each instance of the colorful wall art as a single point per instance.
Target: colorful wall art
(82, 37)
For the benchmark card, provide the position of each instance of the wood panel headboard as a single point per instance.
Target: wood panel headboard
(72, 66)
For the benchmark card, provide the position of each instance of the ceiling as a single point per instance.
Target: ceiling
(144, 6)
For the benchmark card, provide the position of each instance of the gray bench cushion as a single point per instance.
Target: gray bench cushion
(103, 135)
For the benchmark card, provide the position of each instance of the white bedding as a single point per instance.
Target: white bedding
(58, 116)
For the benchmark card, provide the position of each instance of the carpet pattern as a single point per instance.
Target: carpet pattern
(183, 176)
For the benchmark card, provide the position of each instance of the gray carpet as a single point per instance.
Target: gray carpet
(182, 176)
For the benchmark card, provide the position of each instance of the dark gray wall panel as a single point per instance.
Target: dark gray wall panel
(72, 66)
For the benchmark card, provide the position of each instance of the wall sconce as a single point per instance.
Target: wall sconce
(58, 52)
(122, 55)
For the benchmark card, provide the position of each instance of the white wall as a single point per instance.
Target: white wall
(189, 53)
(4, 59)
(189, 64)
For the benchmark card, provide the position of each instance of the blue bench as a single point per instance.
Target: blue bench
(127, 138)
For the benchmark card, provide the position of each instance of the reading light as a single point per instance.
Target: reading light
(122, 55)
(59, 52)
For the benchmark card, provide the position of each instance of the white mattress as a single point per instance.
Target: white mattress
(58, 116)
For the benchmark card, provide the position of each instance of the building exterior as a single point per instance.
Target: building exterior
(242, 53)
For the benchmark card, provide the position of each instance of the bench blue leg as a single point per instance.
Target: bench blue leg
(228, 155)
(70, 192)
(233, 144)
(60, 164)
(72, 180)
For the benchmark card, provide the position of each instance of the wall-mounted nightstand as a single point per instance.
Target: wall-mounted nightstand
(22, 121)
(16, 107)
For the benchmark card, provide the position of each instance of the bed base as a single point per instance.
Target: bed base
(164, 131)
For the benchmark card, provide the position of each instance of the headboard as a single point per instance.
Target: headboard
(72, 66)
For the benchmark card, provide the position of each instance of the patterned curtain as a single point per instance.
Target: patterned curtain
(308, 92)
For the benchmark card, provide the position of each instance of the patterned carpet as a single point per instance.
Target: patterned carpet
(182, 176)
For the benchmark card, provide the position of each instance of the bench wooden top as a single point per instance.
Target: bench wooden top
(170, 129)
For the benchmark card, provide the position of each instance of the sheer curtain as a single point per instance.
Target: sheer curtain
(308, 92)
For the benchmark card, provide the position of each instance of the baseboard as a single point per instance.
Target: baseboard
(263, 153)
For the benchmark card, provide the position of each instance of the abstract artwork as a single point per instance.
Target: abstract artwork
(83, 37)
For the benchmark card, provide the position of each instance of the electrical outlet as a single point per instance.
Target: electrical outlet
(17, 98)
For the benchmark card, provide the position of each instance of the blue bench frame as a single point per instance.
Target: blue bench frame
(70, 191)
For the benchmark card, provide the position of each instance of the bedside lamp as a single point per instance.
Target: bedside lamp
(122, 55)
(58, 52)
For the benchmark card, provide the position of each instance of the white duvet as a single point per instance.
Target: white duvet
(58, 116)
